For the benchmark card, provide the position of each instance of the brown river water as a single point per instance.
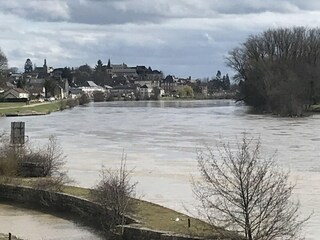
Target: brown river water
(160, 140)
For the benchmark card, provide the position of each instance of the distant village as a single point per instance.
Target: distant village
(107, 82)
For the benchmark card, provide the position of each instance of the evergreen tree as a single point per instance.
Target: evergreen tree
(28, 67)
(99, 66)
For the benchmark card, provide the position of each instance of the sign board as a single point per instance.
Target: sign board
(17, 133)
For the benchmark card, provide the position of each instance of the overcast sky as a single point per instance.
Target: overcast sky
(180, 37)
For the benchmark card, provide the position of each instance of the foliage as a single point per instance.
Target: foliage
(50, 158)
(3, 61)
(66, 73)
(47, 161)
(278, 70)
(114, 192)
(83, 99)
(242, 192)
(185, 91)
(98, 96)
(9, 157)
(82, 75)
(50, 85)
(99, 66)
(28, 66)
(220, 82)
(68, 103)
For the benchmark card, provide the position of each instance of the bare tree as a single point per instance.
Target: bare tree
(3, 61)
(242, 192)
(49, 158)
(115, 191)
(279, 69)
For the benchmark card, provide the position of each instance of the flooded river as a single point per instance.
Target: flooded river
(161, 138)
(33, 225)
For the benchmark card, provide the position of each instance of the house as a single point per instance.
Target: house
(61, 90)
(125, 90)
(15, 94)
(120, 69)
(35, 86)
(36, 91)
(146, 92)
(169, 84)
(15, 78)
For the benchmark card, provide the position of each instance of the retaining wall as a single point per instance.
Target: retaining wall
(80, 209)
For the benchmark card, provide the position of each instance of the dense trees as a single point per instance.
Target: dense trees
(185, 92)
(28, 67)
(243, 192)
(278, 70)
(220, 82)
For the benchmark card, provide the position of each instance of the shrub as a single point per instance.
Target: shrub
(98, 96)
(114, 193)
(84, 99)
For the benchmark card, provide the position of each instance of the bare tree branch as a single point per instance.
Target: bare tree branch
(242, 192)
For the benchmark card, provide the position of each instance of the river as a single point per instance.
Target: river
(30, 224)
(161, 138)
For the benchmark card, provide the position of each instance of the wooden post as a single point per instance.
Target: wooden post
(9, 236)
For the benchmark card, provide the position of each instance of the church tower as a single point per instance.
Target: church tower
(45, 67)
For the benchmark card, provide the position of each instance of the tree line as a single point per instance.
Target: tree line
(278, 69)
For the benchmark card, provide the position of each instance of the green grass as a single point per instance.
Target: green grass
(150, 215)
(9, 105)
(12, 108)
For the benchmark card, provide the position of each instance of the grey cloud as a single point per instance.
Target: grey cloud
(36, 10)
(106, 12)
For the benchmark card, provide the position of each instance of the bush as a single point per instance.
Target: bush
(114, 193)
(10, 157)
(98, 96)
(47, 161)
(84, 99)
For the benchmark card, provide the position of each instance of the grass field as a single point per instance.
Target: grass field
(22, 108)
(157, 217)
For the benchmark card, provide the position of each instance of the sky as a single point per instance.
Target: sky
(180, 37)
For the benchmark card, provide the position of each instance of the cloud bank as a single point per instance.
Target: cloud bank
(182, 37)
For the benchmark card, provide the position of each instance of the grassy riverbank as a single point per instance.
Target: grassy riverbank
(149, 215)
(12, 109)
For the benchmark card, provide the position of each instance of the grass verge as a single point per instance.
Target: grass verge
(149, 215)
(33, 108)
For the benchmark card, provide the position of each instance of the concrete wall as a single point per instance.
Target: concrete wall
(75, 208)
(138, 233)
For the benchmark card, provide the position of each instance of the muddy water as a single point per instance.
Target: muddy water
(29, 224)
(160, 140)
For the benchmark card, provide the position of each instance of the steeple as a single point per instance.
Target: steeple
(109, 64)
(45, 63)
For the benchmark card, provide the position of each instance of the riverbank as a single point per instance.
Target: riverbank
(22, 109)
(148, 216)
